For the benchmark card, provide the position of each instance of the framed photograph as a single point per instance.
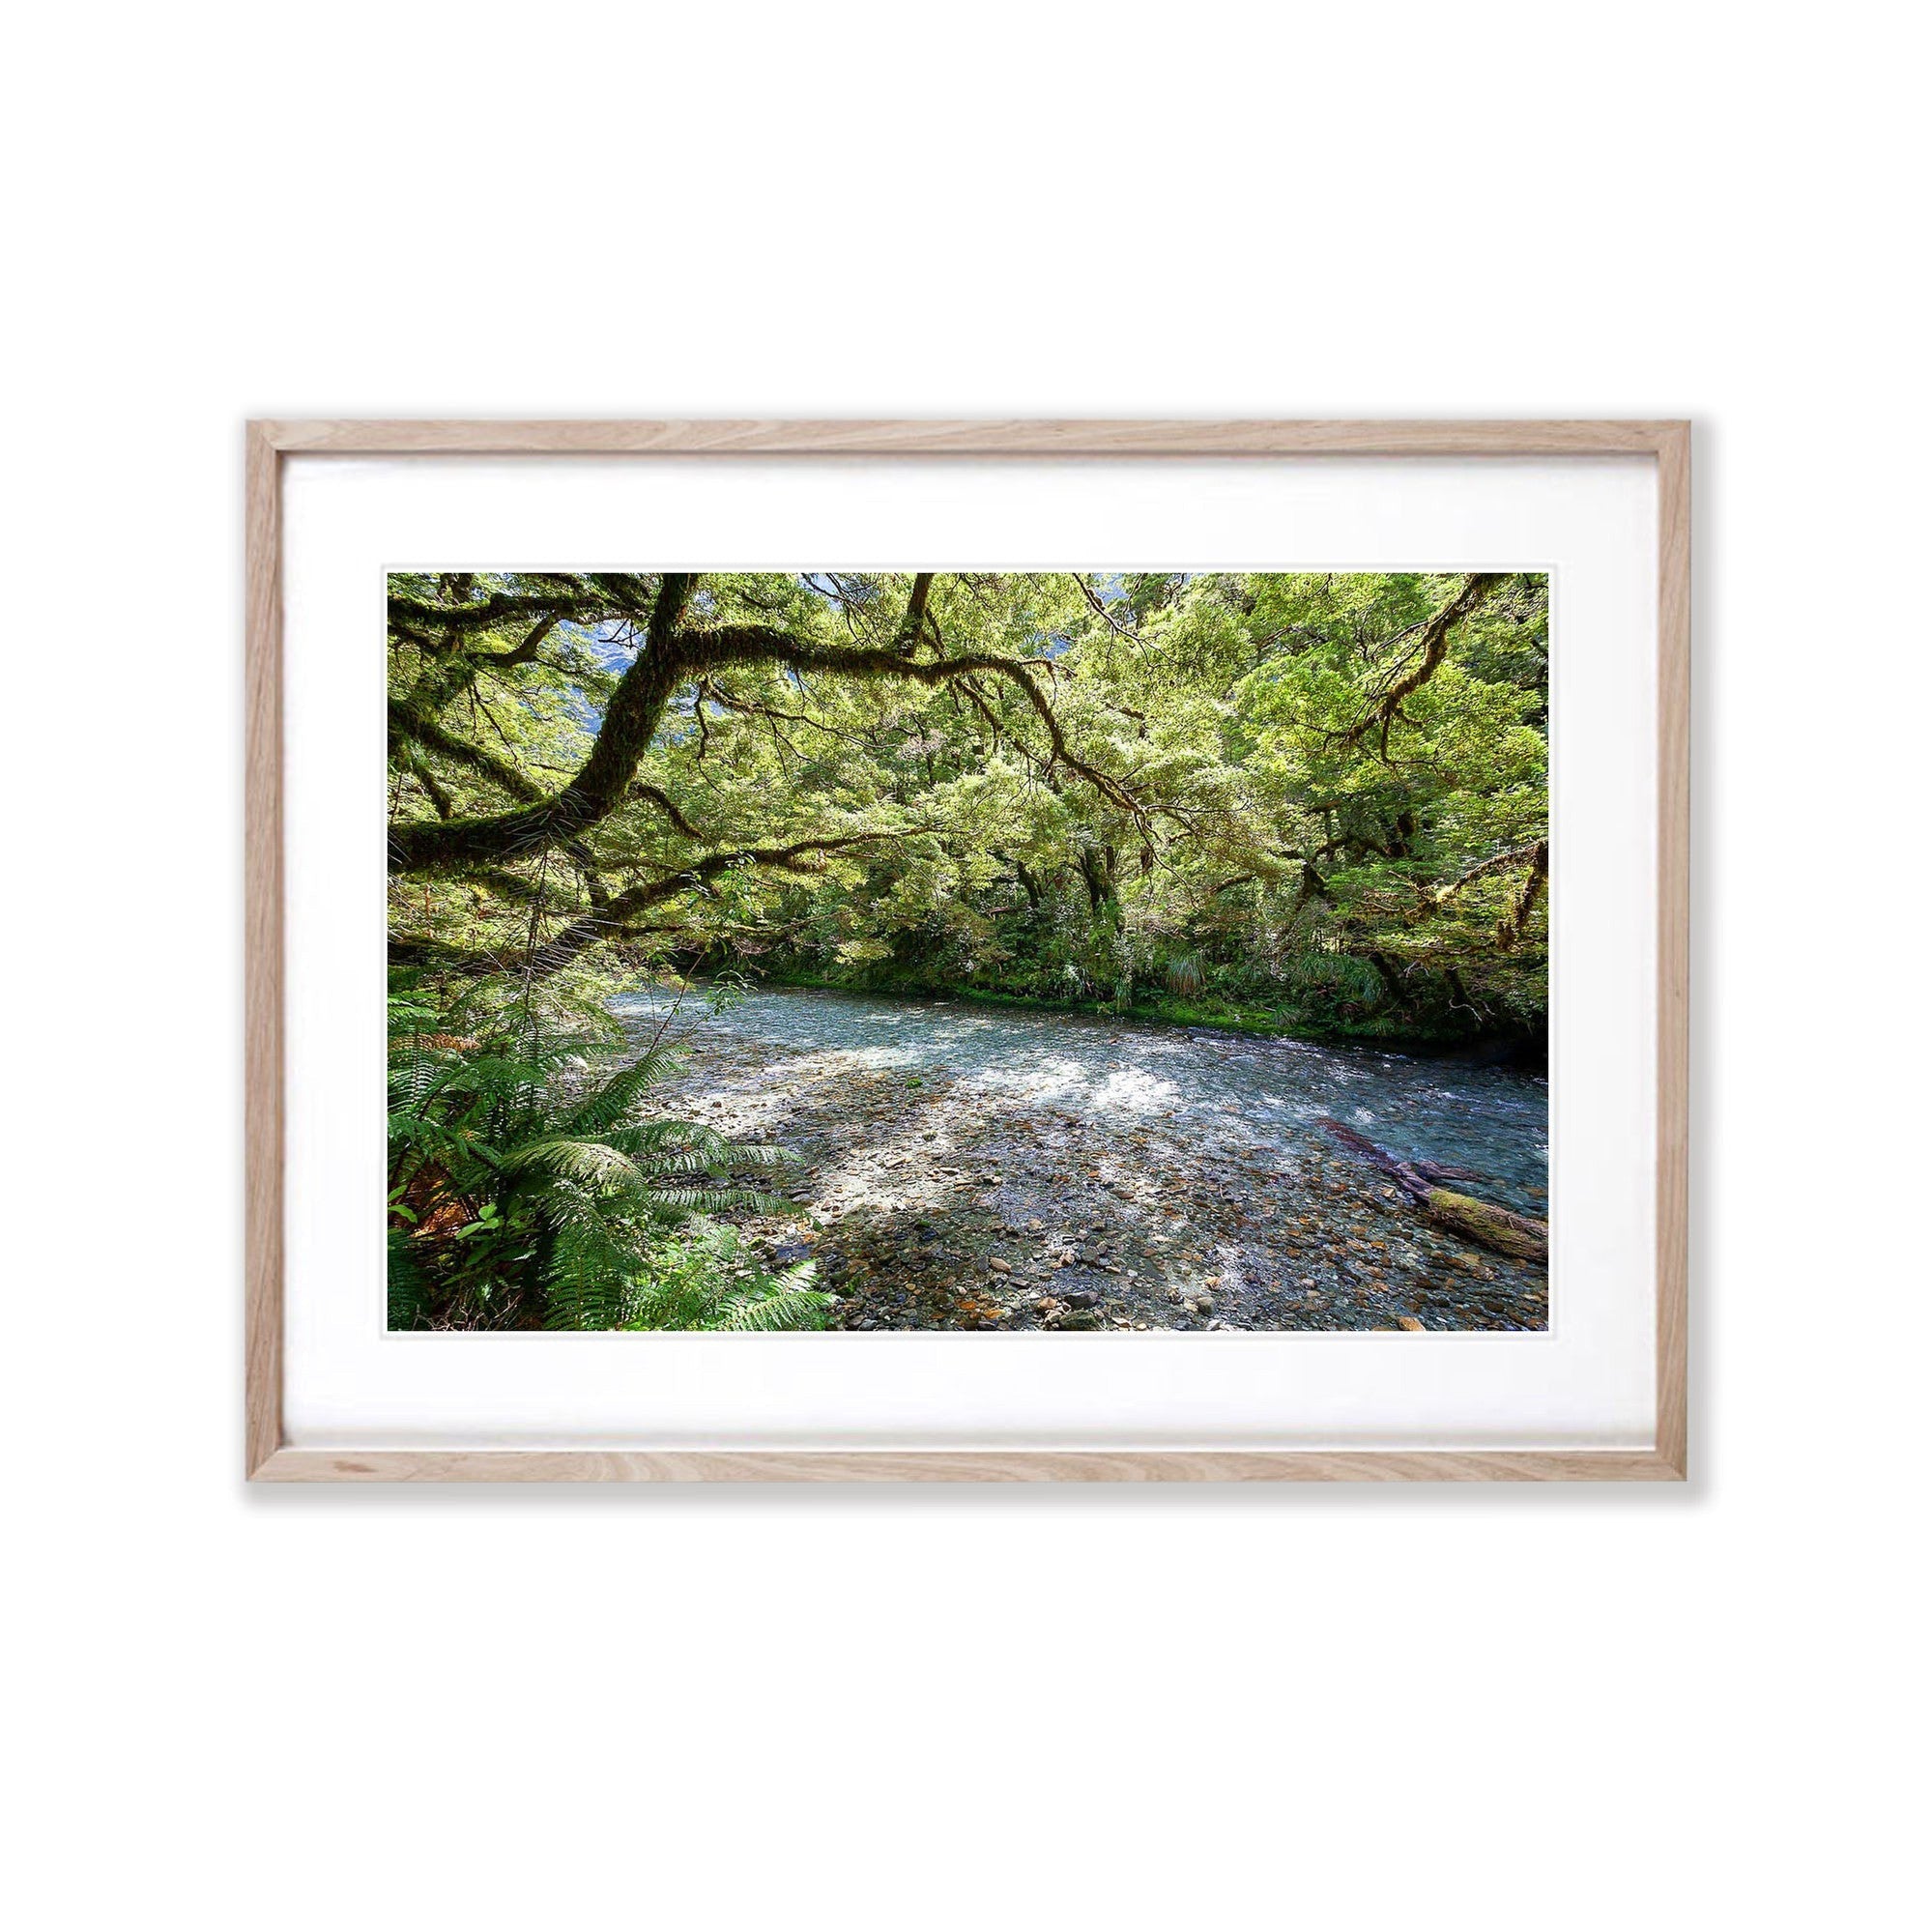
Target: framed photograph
(968, 951)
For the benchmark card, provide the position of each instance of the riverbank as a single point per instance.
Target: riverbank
(1529, 1051)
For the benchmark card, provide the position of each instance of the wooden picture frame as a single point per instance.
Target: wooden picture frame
(268, 1458)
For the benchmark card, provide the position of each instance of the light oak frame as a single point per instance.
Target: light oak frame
(270, 1458)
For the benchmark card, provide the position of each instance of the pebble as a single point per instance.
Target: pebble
(1093, 1192)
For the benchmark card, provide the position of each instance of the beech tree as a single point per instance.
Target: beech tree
(1319, 792)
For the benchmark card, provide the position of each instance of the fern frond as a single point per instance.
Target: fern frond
(694, 1198)
(588, 1281)
(407, 1286)
(613, 1101)
(792, 1309)
(591, 1163)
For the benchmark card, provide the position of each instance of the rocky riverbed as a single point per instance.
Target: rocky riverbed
(983, 1168)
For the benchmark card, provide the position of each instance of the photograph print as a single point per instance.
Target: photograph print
(1084, 951)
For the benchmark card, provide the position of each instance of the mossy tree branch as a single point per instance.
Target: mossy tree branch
(1423, 663)
(670, 654)
(616, 916)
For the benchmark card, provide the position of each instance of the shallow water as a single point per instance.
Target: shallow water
(1164, 1165)
(1491, 1121)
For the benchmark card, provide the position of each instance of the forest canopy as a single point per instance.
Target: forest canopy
(1314, 802)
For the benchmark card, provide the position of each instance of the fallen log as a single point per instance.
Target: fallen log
(1496, 1228)
(1515, 1235)
(1435, 1170)
(1413, 1183)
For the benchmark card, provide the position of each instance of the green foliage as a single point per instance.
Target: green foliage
(530, 1186)
(703, 1278)
(1184, 975)
(1320, 798)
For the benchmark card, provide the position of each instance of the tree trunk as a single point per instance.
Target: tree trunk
(1515, 1235)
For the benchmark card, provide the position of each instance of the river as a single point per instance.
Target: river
(966, 1165)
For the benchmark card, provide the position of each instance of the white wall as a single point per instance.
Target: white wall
(1339, 1709)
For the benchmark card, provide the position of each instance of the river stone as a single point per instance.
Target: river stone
(1258, 1186)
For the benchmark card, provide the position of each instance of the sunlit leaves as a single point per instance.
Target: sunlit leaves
(1284, 811)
